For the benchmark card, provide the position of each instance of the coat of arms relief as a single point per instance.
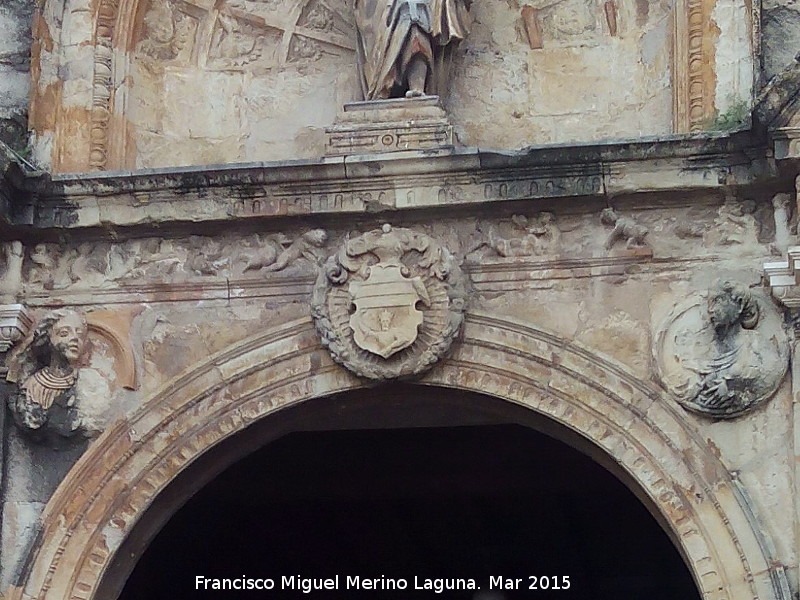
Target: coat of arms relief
(389, 303)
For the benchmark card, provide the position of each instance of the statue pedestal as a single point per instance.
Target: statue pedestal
(390, 126)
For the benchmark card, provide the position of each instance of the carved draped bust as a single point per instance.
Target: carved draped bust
(44, 369)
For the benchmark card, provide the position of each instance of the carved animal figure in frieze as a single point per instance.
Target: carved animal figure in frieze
(256, 254)
(204, 257)
(309, 245)
(153, 258)
(536, 236)
(625, 229)
(735, 223)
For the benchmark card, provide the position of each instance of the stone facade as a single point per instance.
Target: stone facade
(507, 246)
(15, 43)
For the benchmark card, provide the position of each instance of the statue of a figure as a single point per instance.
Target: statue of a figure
(404, 46)
(44, 368)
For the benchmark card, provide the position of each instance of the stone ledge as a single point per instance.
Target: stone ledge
(422, 179)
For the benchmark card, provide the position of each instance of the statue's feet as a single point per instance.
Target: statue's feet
(414, 94)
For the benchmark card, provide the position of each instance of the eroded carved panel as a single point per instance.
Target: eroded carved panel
(537, 236)
(557, 23)
(625, 230)
(168, 33)
(244, 34)
(237, 42)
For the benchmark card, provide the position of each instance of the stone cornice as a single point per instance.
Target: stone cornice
(388, 182)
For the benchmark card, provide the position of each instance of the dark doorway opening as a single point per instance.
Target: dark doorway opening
(454, 503)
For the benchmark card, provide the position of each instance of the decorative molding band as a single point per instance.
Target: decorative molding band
(693, 67)
(102, 84)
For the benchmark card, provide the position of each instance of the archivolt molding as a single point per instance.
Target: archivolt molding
(109, 489)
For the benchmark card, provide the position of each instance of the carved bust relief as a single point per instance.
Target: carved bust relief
(404, 46)
(44, 369)
(724, 354)
(389, 303)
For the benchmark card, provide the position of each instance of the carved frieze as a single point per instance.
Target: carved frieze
(389, 303)
(735, 224)
(724, 354)
(537, 236)
(236, 42)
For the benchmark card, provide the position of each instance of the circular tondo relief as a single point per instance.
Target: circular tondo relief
(724, 354)
(389, 303)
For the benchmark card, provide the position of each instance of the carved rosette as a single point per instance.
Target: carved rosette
(389, 303)
(722, 355)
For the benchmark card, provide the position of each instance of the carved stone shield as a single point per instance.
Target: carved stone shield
(386, 317)
(389, 303)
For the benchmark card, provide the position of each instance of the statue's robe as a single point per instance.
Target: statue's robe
(392, 32)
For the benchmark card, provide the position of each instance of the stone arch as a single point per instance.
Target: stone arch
(100, 501)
